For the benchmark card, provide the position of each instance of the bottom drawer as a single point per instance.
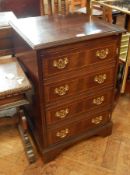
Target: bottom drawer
(72, 129)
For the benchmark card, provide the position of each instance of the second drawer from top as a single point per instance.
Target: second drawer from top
(83, 84)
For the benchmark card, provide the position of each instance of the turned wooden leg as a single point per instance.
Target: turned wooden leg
(49, 7)
(42, 8)
(23, 129)
(107, 14)
(56, 7)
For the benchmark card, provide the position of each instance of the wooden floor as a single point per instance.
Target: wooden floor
(96, 156)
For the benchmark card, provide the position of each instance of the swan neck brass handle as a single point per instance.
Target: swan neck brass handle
(100, 78)
(62, 90)
(102, 54)
(63, 133)
(99, 100)
(60, 63)
(97, 120)
(62, 113)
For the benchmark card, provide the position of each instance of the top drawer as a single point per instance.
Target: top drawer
(64, 59)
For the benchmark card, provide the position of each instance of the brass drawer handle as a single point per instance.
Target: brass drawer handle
(100, 78)
(62, 113)
(97, 120)
(63, 133)
(62, 90)
(60, 63)
(99, 100)
(102, 54)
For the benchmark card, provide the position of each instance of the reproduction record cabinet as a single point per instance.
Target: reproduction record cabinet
(72, 63)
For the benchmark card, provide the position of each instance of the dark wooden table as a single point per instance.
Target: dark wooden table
(21, 8)
(6, 45)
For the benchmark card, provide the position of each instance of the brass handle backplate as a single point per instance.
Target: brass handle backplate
(100, 78)
(62, 113)
(62, 90)
(63, 133)
(60, 63)
(102, 54)
(98, 100)
(97, 120)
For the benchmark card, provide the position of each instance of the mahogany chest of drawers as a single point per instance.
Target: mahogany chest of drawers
(72, 63)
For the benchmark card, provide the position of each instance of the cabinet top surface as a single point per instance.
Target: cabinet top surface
(45, 31)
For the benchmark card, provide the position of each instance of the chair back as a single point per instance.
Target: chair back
(63, 7)
(55, 7)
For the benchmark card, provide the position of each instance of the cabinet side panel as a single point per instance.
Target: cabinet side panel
(28, 60)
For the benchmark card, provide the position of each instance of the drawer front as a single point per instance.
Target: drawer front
(75, 108)
(63, 62)
(79, 127)
(84, 83)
